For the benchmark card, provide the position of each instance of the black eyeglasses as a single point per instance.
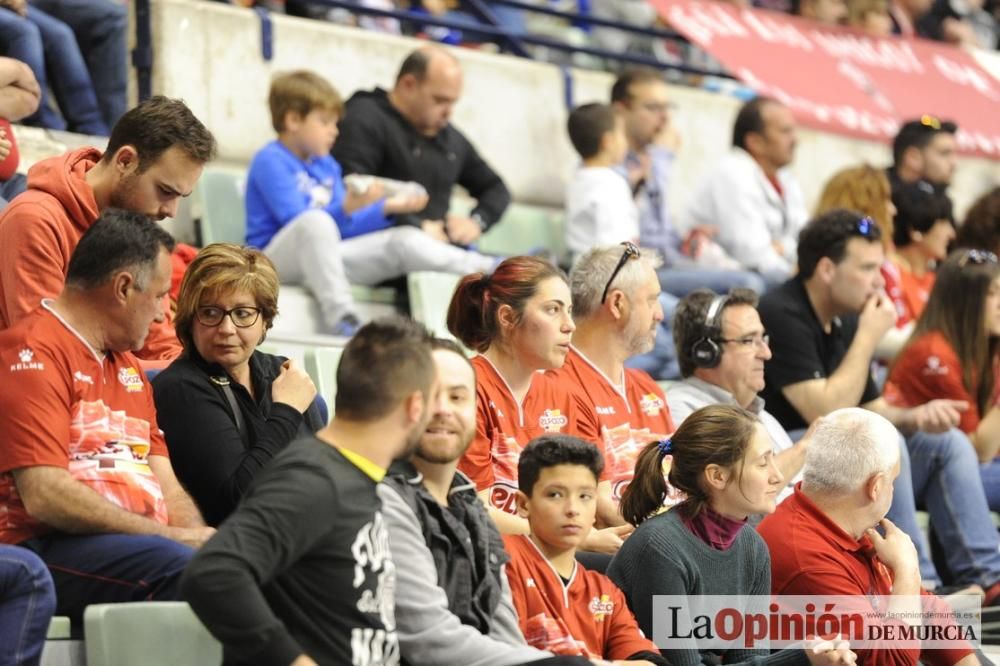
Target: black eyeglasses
(242, 317)
(631, 251)
(977, 257)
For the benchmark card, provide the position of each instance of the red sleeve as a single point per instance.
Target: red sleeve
(9, 164)
(624, 636)
(477, 462)
(515, 578)
(157, 442)
(929, 370)
(949, 656)
(585, 424)
(33, 260)
(35, 411)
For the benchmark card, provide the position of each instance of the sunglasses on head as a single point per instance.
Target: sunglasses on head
(977, 257)
(866, 227)
(631, 251)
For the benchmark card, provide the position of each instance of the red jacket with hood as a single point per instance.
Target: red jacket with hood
(39, 231)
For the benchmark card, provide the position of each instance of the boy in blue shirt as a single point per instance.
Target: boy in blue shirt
(319, 233)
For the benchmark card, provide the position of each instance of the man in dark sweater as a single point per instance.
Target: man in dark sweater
(301, 573)
(405, 134)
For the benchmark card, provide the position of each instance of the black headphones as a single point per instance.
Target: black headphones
(705, 352)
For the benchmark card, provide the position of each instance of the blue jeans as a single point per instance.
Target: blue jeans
(100, 28)
(47, 45)
(661, 362)
(27, 601)
(990, 474)
(111, 568)
(941, 468)
(682, 281)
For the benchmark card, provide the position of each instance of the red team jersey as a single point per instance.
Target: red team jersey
(629, 417)
(63, 404)
(587, 616)
(504, 427)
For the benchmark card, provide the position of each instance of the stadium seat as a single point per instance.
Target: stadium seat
(321, 364)
(430, 294)
(152, 633)
(222, 217)
(524, 229)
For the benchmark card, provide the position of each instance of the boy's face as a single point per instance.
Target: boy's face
(315, 133)
(561, 508)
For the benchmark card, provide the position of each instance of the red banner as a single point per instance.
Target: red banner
(839, 80)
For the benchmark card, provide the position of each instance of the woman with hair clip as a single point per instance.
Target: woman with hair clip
(724, 463)
(953, 353)
(519, 320)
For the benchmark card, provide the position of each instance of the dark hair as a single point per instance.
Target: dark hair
(384, 362)
(119, 240)
(689, 321)
(981, 228)
(587, 125)
(918, 208)
(918, 133)
(826, 235)
(621, 90)
(472, 313)
(445, 344)
(956, 309)
(551, 450)
(750, 120)
(713, 435)
(156, 125)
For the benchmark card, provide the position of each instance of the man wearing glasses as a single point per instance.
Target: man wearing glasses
(924, 150)
(824, 325)
(722, 348)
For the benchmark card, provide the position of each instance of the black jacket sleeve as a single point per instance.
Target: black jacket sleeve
(360, 145)
(483, 183)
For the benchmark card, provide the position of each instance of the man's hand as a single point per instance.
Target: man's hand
(877, 316)
(895, 549)
(354, 201)
(405, 203)
(939, 415)
(16, 6)
(435, 229)
(638, 169)
(834, 652)
(304, 660)
(190, 536)
(5, 145)
(608, 540)
(462, 230)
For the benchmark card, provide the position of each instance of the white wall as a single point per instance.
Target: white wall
(512, 109)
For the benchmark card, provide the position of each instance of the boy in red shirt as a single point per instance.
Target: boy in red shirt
(563, 607)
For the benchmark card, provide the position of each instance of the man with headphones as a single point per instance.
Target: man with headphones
(722, 347)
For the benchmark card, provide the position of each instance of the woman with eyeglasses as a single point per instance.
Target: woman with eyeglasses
(519, 320)
(225, 408)
(954, 353)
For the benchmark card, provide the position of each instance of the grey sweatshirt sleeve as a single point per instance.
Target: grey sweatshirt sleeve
(505, 627)
(428, 632)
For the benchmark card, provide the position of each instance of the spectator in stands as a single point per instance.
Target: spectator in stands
(27, 601)
(751, 197)
(905, 15)
(302, 571)
(824, 324)
(518, 320)
(316, 231)
(641, 97)
(962, 23)
(599, 205)
(923, 230)
(86, 480)
(453, 604)
(225, 408)
(724, 464)
(865, 189)
(100, 30)
(953, 353)
(870, 16)
(19, 97)
(553, 594)
(981, 228)
(824, 541)
(617, 315)
(827, 12)
(48, 47)
(405, 134)
(722, 347)
(924, 149)
(154, 157)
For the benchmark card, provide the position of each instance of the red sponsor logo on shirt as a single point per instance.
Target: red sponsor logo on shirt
(602, 607)
(130, 379)
(552, 420)
(650, 404)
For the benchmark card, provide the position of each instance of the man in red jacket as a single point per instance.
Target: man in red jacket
(155, 156)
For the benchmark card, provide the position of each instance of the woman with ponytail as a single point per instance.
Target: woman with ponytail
(519, 321)
(723, 462)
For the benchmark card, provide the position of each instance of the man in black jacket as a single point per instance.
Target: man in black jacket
(405, 134)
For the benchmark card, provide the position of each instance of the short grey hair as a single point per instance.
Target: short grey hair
(847, 448)
(591, 272)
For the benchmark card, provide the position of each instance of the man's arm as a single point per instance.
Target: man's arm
(485, 185)
(181, 509)
(429, 633)
(53, 496)
(933, 416)
(34, 260)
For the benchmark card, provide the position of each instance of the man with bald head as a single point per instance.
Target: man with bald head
(405, 134)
